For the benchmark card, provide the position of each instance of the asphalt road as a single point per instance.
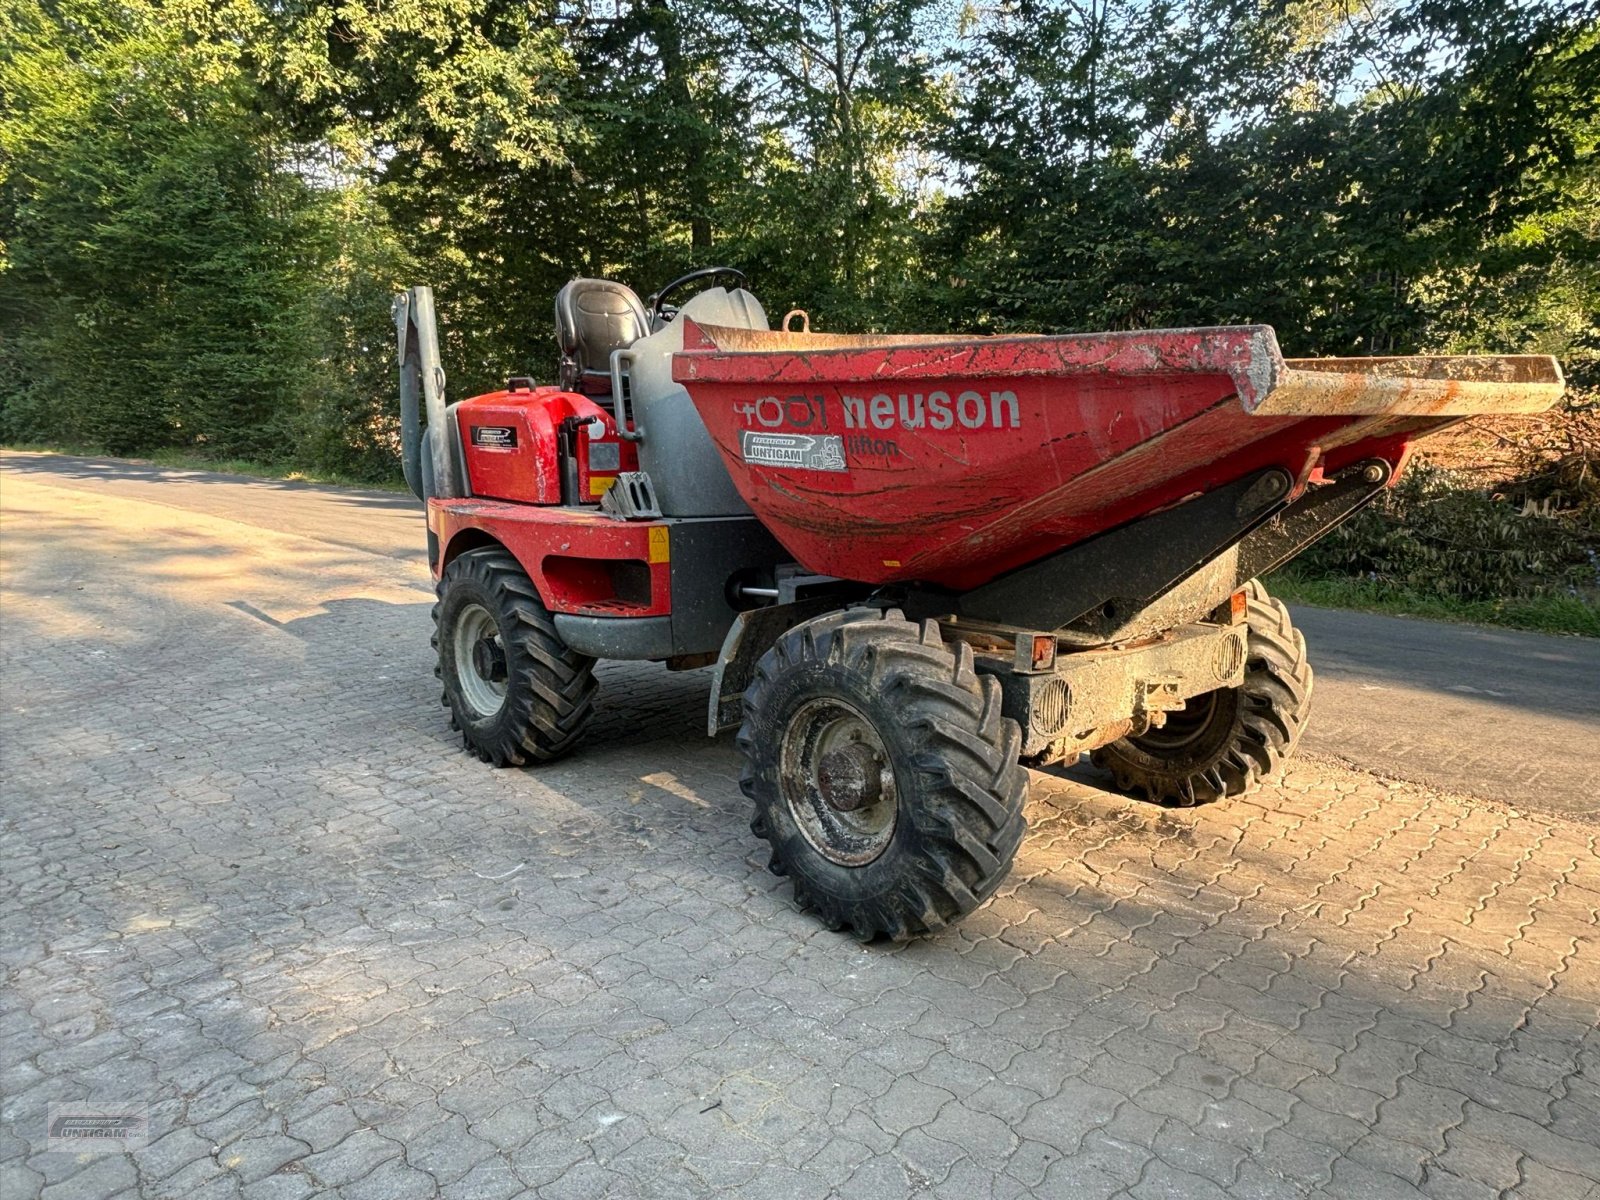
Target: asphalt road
(1508, 716)
(1511, 716)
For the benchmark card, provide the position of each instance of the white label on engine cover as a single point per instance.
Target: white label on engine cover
(798, 451)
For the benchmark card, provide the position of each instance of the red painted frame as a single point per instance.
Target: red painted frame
(560, 549)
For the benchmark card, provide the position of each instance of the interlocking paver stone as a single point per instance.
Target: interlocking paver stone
(250, 881)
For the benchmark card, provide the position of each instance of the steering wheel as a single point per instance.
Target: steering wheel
(658, 302)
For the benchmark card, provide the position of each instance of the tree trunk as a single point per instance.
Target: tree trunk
(664, 31)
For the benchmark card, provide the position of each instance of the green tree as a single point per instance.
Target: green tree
(837, 177)
(1350, 176)
(206, 203)
(154, 254)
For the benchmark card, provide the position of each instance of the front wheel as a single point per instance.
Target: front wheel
(515, 690)
(882, 773)
(1225, 742)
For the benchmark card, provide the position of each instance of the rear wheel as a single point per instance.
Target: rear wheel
(882, 773)
(1224, 743)
(517, 693)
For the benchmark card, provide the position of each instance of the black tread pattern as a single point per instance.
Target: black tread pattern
(1273, 706)
(968, 789)
(551, 687)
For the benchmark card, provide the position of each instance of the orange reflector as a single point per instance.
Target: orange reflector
(1044, 651)
(1239, 606)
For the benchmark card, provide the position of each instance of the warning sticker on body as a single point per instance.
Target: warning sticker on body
(800, 451)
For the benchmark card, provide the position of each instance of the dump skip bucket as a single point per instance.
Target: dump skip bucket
(950, 460)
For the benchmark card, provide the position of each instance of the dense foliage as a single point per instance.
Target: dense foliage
(1440, 534)
(206, 203)
(1476, 526)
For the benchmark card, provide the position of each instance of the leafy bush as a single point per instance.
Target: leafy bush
(178, 277)
(153, 273)
(1515, 518)
(1557, 460)
(1436, 535)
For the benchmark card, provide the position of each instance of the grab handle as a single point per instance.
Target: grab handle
(619, 401)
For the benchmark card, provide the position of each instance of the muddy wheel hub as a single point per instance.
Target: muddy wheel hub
(851, 778)
(838, 782)
(479, 655)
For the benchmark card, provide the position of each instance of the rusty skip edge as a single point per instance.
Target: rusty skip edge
(1419, 386)
(1267, 384)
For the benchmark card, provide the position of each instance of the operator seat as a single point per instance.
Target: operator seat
(593, 318)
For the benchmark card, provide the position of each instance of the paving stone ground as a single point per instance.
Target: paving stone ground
(250, 883)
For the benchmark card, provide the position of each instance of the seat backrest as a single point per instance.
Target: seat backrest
(593, 318)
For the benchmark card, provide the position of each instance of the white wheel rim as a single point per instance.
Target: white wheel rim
(483, 695)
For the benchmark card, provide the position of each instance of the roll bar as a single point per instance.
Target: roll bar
(422, 387)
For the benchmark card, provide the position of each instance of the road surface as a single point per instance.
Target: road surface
(1503, 715)
(1498, 713)
(255, 896)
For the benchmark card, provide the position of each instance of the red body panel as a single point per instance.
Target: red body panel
(509, 440)
(580, 561)
(952, 462)
(886, 458)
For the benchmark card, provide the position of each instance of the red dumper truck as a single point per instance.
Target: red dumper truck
(916, 563)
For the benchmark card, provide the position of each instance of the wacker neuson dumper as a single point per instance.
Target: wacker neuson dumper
(915, 563)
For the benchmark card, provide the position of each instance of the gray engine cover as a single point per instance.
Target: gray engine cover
(677, 452)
